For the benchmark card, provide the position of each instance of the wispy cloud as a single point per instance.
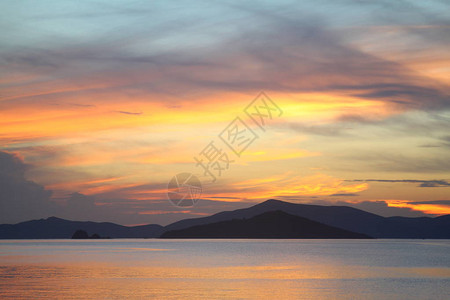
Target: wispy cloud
(129, 112)
(423, 183)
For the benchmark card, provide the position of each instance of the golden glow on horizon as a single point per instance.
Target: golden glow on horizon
(44, 121)
(434, 209)
(288, 185)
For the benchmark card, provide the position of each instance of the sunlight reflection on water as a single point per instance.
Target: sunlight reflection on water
(246, 269)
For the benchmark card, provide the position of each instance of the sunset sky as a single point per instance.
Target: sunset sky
(103, 102)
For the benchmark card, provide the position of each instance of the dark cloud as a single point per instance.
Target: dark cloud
(20, 199)
(128, 112)
(446, 138)
(395, 161)
(81, 105)
(328, 130)
(434, 183)
(23, 200)
(355, 118)
(429, 146)
(430, 125)
(436, 202)
(445, 141)
(289, 49)
(407, 95)
(423, 183)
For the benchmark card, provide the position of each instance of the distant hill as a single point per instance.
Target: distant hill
(343, 217)
(268, 225)
(55, 228)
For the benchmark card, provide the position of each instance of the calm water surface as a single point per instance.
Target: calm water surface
(221, 269)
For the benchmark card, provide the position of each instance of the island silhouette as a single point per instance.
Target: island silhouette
(269, 225)
(81, 235)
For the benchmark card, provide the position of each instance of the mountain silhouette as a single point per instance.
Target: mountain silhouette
(268, 225)
(343, 217)
(56, 228)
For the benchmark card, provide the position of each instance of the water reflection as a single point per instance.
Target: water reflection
(224, 269)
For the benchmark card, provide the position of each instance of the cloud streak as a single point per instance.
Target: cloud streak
(422, 183)
(128, 112)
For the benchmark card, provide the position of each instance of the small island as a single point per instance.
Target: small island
(83, 235)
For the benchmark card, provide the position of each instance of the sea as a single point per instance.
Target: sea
(224, 269)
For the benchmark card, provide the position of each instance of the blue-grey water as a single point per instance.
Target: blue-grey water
(225, 269)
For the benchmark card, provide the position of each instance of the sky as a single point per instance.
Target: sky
(102, 103)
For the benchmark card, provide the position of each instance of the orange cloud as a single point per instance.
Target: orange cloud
(287, 185)
(433, 209)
